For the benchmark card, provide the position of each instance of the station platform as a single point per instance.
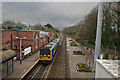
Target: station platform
(21, 69)
(75, 59)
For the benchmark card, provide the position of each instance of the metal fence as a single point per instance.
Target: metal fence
(112, 51)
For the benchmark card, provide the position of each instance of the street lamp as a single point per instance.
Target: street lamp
(20, 48)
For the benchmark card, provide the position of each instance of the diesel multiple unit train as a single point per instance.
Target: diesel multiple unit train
(47, 53)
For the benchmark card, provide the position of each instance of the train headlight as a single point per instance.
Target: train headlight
(48, 56)
(44, 55)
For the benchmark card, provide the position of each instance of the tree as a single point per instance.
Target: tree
(38, 26)
(85, 31)
(8, 23)
(48, 25)
(3, 27)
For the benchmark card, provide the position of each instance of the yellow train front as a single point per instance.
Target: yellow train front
(48, 52)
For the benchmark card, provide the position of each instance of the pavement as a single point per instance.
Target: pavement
(21, 69)
(74, 59)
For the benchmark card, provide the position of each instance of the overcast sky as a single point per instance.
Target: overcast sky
(59, 14)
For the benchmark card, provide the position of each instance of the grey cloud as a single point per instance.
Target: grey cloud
(60, 14)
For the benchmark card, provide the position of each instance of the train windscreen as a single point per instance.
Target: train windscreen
(45, 52)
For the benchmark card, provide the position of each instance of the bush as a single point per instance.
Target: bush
(30, 54)
(78, 53)
(3, 27)
(83, 67)
(118, 57)
(105, 55)
(71, 40)
(25, 56)
(73, 43)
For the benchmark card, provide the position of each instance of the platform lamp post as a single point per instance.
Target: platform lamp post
(20, 48)
(98, 36)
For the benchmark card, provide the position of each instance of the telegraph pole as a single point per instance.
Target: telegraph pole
(98, 36)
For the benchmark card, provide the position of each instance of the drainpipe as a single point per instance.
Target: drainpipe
(11, 39)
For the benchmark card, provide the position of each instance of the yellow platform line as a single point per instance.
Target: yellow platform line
(28, 70)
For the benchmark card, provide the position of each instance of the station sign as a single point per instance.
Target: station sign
(27, 50)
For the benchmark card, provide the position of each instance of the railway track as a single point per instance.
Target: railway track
(37, 72)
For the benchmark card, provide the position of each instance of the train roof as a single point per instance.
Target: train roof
(51, 45)
(47, 47)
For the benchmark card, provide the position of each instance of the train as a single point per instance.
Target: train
(47, 53)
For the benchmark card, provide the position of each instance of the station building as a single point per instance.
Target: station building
(34, 40)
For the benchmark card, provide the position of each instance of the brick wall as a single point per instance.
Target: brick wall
(31, 40)
(51, 37)
(6, 39)
(41, 44)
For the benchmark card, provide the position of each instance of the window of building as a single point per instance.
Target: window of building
(36, 36)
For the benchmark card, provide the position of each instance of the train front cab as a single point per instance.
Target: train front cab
(45, 58)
